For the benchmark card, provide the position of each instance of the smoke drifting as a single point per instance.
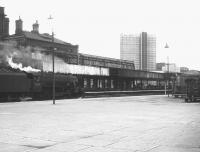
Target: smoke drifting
(34, 59)
(18, 57)
(19, 66)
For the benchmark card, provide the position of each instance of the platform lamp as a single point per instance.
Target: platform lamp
(167, 46)
(53, 61)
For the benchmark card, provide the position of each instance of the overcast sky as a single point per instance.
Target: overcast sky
(96, 25)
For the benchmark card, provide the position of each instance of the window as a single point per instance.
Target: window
(112, 84)
(101, 84)
(106, 83)
(132, 84)
(98, 83)
(85, 82)
(91, 83)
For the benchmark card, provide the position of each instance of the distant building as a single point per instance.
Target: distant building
(159, 66)
(171, 67)
(139, 48)
(193, 72)
(184, 69)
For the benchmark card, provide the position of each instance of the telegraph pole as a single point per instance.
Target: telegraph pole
(53, 62)
(167, 90)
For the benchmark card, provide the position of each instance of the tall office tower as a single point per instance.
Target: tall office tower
(139, 48)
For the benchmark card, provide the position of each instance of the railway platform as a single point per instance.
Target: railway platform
(153, 123)
(93, 94)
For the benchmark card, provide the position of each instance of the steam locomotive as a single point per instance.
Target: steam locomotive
(15, 83)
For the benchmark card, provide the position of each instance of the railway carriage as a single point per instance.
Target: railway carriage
(187, 85)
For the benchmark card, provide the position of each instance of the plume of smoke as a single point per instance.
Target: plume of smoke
(33, 59)
(19, 57)
(28, 59)
(4, 52)
(19, 66)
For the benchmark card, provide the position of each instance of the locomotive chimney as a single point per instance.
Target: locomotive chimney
(6, 27)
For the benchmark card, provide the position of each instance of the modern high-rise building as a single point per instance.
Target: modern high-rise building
(139, 48)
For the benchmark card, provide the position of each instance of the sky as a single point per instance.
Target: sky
(96, 25)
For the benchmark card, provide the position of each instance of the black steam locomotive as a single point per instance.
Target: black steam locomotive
(15, 84)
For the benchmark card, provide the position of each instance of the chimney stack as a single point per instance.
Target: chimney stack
(19, 26)
(4, 24)
(6, 27)
(2, 16)
(36, 27)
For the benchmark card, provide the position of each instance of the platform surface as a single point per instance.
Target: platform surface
(116, 124)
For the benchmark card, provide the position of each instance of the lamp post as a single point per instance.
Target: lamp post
(167, 90)
(53, 61)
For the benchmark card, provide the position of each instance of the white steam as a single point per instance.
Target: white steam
(19, 66)
(34, 59)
